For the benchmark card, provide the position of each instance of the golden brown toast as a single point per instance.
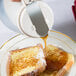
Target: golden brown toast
(31, 61)
(26, 62)
(58, 61)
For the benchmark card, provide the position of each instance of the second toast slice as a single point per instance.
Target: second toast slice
(26, 62)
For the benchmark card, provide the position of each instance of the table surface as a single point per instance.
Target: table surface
(63, 20)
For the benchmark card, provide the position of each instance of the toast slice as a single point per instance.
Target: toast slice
(58, 61)
(26, 62)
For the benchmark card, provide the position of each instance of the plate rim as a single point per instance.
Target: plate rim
(50, 31)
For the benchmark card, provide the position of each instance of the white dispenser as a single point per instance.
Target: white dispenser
(33, 18)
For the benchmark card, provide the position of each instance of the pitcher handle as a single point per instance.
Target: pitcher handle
(25, 2)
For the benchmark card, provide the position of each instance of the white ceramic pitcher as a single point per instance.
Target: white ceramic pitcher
(33, 18)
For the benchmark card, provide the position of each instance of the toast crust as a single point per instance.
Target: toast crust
(67, 66)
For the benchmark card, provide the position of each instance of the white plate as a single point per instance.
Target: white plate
(55, 38)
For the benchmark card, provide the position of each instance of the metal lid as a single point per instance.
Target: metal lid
(36, 19)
